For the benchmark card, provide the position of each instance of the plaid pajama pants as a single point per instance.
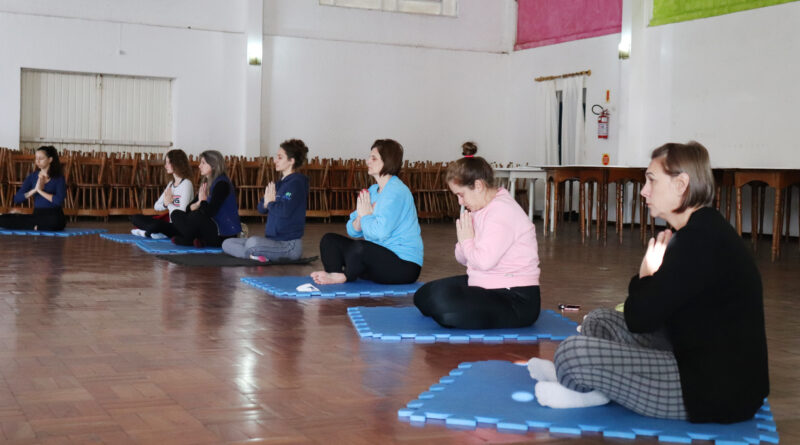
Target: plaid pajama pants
(638, 371)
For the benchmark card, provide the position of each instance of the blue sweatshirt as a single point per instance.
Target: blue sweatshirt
(287, 214)
(56, 186)
(393, 223)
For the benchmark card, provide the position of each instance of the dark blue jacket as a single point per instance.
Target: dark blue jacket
(56, 186)
(222, 208)
(287, 214)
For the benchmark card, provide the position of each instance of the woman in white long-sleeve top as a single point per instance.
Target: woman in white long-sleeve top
(176, 196)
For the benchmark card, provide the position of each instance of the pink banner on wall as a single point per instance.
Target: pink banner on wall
(546, 22)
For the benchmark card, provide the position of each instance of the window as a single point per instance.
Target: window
(432, 7)
(84, 111)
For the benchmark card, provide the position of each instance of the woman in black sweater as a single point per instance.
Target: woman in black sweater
(691, 342)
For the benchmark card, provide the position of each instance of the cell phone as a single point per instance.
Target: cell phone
(569, 307)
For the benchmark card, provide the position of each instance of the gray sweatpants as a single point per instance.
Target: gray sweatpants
(273, 250)
(638, 371)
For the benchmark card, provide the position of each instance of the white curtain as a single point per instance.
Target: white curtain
(547, 131)
(573, 137)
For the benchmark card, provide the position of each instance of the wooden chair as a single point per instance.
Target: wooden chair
(592, 179)
(556, 180)
(153, 179)
(123, 198)
(3, 179)
(317, 173)
(69, 203)
(89, 174)
(19, 166)
(341, 192)
(250, 185)
(621, 177)
(778, 180)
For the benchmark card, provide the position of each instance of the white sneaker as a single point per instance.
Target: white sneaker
(139, 232)
(158, 236)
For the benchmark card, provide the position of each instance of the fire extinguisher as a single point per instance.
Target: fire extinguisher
(602, 121)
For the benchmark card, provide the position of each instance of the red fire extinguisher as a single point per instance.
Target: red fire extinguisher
(602, 121)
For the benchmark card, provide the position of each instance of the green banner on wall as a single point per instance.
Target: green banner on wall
(673, 11)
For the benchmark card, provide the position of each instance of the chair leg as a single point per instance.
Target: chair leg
(754, 229)
(777, 219)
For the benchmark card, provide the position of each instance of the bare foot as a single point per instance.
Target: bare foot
(322, 277)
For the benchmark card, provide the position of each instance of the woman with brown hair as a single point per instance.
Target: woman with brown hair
(497, 244)
(176, 196)
(691, 342)
(213, 216)
(387, 248)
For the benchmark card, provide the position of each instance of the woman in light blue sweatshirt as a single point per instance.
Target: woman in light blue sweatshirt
(387, 248)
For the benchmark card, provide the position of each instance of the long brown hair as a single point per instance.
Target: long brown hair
(180, 163)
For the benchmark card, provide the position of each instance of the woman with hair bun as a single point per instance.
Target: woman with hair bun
(285, 204)
(48, 188)
(497, 244)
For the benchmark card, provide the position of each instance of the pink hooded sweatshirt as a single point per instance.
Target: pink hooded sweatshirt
(504, 252)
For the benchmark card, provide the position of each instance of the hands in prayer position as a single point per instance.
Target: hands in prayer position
(464, 229)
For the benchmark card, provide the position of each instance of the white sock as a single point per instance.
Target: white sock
(554, 395)
(158, 236)
(542, 370)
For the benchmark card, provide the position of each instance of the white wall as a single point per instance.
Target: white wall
(728, 82)
(148, 38)
(339, 78)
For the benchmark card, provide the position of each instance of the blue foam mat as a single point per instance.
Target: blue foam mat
(500, 394)
(407, 323)
(173, 249)
(286, 287)
(130, 239)
(61, 233)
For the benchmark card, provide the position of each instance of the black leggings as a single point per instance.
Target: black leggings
(455, 304)
(192, 225)
(365, 259)
(49, 219)
(154, 225)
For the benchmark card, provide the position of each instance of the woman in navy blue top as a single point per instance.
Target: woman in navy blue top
(48, 189)
(285, 204)
(386, 244)
(213, 216)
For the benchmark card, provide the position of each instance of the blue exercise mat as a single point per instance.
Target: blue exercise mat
(60, 233)
(130, 239)
(407, 323)
(286, 287)
(173, 249)
(501, 394)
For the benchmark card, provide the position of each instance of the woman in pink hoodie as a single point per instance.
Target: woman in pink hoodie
(497, 243)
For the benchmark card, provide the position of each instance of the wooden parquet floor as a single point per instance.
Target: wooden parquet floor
(102, 343)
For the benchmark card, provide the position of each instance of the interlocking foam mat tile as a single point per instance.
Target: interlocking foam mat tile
(500, 394)
(62, 233)
(173, 249)
(130, 239)
(286, 287)
(205, 260)
(407, 323)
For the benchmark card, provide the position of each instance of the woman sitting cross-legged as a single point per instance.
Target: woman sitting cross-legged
(214, 215)
(176, 196)
(388, 248)
(48, 188)
(497, 243)
(285, 206)
(691, 342)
